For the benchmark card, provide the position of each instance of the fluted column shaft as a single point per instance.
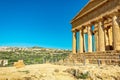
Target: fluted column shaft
(110, 37)
(101, 38)
(96, 40)
(81, 40)
(74, 43)
(116, 32)
(89, 39)
(107, 40)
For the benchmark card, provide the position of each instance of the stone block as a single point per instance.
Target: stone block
(19, 64)
(87, 61)
(103, 62)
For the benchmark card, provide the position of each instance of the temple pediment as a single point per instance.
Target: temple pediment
(92, 4)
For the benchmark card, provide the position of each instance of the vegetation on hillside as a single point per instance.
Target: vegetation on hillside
(32, 57)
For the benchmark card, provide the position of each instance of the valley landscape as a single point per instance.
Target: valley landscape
(88, 49)
(51, 64)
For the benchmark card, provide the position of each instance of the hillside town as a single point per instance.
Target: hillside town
(36, 48)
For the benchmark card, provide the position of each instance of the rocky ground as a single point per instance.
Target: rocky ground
(60, 72)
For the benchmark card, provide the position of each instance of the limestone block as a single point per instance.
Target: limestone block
(19, 64)
(103, 62)
(87, 61)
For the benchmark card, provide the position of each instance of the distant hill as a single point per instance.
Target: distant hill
(36, 47)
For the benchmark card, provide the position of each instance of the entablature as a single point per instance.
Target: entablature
(105, 10)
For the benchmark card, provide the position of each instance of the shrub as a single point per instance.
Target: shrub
(82, 75)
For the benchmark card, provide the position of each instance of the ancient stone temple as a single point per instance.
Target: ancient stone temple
(99, 19)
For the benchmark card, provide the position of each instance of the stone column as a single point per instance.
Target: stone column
(110, 38)
(106, 40)
(116, 32)
(81, 43)
(101, 38)
(74, 43)
(96, 40)
(84, 41)
(89, 39)
(96, 36)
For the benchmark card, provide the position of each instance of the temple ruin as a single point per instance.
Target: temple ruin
(100, 21)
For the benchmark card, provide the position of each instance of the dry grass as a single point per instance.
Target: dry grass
(59, 72)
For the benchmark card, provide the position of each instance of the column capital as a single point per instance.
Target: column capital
(85, 30)
(75, 30)
(114, 16)
(100, 19)
(89, 28)
(81, 29)
(95, 31)
(96, 27)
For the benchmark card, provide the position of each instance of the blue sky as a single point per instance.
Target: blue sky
(44, 23)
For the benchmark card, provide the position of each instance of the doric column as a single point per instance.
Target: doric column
(96, 36)
(74, 43)
(110, 36)
(101, 38)
(84, 41)
(116, 32)
(96, 40)
(89, 39)
(107, 46)
(81, 43)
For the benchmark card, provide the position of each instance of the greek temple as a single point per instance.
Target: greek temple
(100, 21)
